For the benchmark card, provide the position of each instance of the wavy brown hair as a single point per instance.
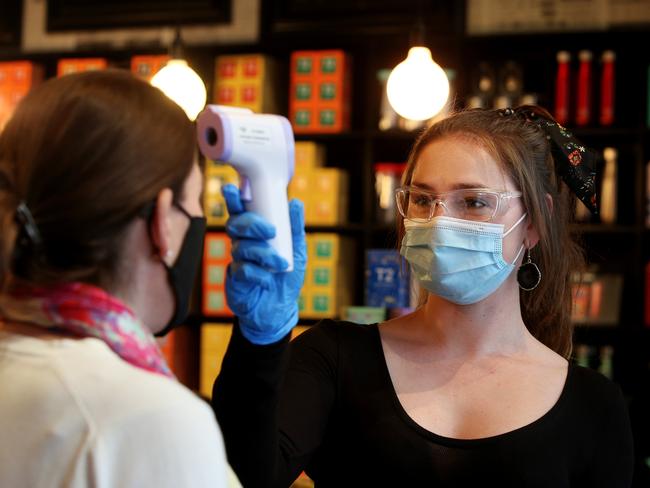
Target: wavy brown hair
(85, 153)
(524, 154)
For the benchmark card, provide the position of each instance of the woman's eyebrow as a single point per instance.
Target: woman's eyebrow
(457, 186)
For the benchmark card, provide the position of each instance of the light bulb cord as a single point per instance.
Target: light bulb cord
(177, 50)
(418, 33)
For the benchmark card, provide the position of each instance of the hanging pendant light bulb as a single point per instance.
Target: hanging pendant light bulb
(180, 82)
(417, 88)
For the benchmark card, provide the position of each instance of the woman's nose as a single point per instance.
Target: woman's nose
(438, 209)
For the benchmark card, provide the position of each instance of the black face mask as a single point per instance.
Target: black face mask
(182, 273)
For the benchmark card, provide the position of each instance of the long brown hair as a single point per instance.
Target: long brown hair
(85, 153)
(524, 154)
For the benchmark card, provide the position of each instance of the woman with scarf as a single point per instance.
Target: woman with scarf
(475, 387)
(102, 231)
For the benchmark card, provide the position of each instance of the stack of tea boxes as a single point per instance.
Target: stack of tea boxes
(68, 66)
(329, 255)
(246, 81)
(146, 66)
(16, 79)
(216, 175)
(216, 257)
(214, 342)
(329, 279)
(324, 191)
(320, 90)
(318, 102)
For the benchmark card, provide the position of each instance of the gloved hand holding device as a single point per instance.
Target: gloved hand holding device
(262, 285)
(260, 294)
(261, 148)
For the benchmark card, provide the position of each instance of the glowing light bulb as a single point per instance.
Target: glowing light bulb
(417, 88)
(181, 83)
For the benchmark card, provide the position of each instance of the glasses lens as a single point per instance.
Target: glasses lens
(419, 206)
(414, 205)
(472, 204)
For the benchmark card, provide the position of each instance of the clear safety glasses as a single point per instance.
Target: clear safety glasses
(478, 204)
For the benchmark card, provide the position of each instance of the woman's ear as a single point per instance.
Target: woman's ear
(532, 235)
(549, 203)
(160, 226)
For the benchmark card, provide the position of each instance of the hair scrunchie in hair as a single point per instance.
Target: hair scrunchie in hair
(27, 224)
(574, 163)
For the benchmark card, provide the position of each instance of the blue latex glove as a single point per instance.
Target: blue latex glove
(264, 298)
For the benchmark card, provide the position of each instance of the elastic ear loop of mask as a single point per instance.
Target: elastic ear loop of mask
(505, 234)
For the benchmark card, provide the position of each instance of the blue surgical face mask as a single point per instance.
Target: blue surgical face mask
(458, 260)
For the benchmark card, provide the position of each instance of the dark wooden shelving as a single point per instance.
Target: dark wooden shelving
(325, 138)
(617, 133)
(597, 334)
(340, 229)
(607, 229)
(350, 228)
(625, 246)
(393, 134)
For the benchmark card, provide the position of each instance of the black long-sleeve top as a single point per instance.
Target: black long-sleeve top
(325, 403)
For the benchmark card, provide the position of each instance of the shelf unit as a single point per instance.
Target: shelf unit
(381, 41)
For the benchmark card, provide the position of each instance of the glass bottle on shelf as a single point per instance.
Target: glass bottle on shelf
(562, 87)
(511, 81)
(606, 368)
(483, 87)
(607, 81)
(583, 94)
(608, 191)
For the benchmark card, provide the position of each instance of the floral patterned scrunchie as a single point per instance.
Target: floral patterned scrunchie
(574, 163)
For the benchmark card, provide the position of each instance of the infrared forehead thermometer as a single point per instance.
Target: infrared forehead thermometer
(261, 148)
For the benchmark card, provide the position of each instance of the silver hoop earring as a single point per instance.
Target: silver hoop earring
(528, 275)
